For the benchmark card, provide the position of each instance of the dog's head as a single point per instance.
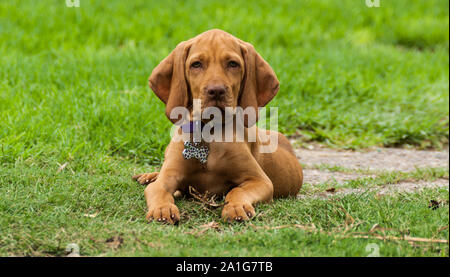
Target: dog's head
(217, 68)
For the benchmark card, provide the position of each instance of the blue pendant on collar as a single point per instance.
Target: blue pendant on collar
(192, 126)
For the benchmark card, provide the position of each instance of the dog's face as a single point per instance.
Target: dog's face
(217, 68)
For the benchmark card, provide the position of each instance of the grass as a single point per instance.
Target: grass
(44, 211)
(73, 90)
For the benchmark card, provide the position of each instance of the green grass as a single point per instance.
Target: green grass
(43, 212)
(73, 89)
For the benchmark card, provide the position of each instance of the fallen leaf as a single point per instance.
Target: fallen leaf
(434, 204)
(114, 242)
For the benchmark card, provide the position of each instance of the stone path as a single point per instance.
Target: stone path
(386, 159)
(354, 164)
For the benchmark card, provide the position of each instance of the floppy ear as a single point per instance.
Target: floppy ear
(260, 84)
(168, 79)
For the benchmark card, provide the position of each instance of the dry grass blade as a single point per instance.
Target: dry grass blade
(203, 228)
(310, 228)
(405, 238)
(61, 167)
(442, 228)
(91, 215)
(204, 198)
(378, 228)
(349, 220)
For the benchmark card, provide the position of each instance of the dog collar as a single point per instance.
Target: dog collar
(191, 126)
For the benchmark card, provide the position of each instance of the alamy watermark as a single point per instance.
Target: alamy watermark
(228, 125)
(73, 250)
(373, 249)
(373, 3)
(73, 3)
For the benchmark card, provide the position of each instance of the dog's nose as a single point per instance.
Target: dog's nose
(215, 91)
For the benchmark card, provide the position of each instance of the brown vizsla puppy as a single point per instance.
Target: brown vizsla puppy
(222, 71)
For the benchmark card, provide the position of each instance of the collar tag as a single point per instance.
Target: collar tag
(196, 150)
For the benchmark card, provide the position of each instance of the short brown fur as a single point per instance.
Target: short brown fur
(237, 170)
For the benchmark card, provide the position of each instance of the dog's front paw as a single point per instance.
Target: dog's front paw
(237, 212)
(164, 213)
(146, 178)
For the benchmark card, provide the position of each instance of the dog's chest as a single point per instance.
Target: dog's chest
(214, 176)
(209, 182)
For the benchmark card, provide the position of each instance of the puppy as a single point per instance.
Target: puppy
(221, 72)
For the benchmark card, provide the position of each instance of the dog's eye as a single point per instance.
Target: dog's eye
(233, 64)
(196, 65)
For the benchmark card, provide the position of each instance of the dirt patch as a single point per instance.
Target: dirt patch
(315, 176)
(387, 159)
(412, 186)
(377, 161)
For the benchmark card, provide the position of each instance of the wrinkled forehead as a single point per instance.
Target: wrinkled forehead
(215, 45)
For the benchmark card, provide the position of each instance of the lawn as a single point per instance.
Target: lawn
(77, 120)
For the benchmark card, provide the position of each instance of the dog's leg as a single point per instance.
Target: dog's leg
(146, 178)
(239, 201)
(160, 201)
